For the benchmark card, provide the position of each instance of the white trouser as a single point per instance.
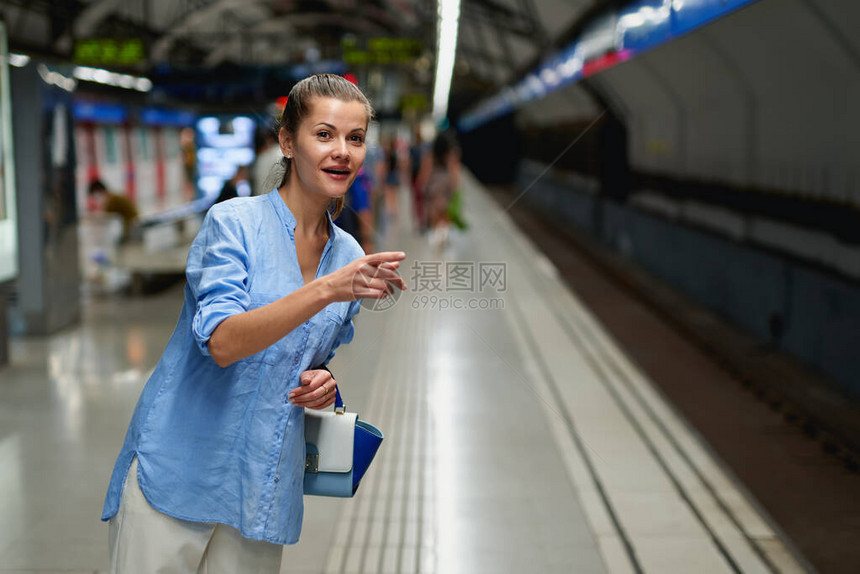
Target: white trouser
(145, 541)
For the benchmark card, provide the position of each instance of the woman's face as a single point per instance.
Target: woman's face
(327, 148)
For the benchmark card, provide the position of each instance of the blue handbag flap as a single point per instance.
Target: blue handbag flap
(366, 443)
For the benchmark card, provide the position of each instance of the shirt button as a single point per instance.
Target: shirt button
(277, 479)
(296, 361)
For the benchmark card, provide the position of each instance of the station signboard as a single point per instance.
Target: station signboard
(109, 52)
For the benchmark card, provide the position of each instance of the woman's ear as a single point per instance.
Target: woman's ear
(286, 143)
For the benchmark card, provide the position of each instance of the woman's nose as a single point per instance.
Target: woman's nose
(341, 149)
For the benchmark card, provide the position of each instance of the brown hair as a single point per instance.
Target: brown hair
(298, 106)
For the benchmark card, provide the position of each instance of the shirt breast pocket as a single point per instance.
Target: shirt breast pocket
(334, 318)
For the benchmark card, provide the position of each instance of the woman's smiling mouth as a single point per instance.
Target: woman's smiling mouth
(338, 173)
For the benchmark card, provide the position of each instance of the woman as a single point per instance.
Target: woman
(210, 476)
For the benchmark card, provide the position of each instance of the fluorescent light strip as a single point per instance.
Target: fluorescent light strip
(449, 17)
(107, 78)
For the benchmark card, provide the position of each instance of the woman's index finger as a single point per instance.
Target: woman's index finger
(385, 257)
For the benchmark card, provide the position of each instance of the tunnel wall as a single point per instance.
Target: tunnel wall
(768, 97)
(761, 107)
(752, 287)
(493, 151)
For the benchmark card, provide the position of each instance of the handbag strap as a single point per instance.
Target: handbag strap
(339, 407)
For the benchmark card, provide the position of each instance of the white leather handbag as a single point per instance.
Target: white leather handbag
(338, 450)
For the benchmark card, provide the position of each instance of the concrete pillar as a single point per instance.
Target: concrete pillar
(4, 327)
(48, 285)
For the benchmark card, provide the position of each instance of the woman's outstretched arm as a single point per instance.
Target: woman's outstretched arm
(245, 334)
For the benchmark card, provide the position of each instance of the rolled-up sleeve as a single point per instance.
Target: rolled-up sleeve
(217, 273)
(346, 331)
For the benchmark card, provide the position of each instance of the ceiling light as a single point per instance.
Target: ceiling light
(448, 24)
(108, 78)
(143, 85)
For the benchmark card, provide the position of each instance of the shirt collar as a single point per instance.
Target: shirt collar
(289, 220)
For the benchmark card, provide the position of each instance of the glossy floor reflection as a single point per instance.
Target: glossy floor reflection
(519, 439)
(64, 404)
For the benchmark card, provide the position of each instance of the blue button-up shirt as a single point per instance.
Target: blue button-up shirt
(225, 444)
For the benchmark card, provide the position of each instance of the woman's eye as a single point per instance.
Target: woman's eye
(323, 134)
(357, 139)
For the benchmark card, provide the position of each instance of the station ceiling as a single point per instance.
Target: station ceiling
(498, 39)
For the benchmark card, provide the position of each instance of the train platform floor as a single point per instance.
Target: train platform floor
(778, 426)
(519, 437)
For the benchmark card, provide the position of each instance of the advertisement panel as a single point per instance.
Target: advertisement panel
(224, 143)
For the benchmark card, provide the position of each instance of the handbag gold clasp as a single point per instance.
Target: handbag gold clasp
(312, 463)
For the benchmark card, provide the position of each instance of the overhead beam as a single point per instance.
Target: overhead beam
(96, 11)
(593, 9)
(86, 22)
(267, 28)
(505, 44)
(187, 22)
(533, 16)
(188, 27)
(502, 17)
(500, 67)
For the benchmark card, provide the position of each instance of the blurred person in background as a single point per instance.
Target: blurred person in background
(230, 188)
(420, 164)
(103, 201)
(377, 168)
(391, 181)
(442, 185)
(356, 218)
(268, 155)
(189, 162)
